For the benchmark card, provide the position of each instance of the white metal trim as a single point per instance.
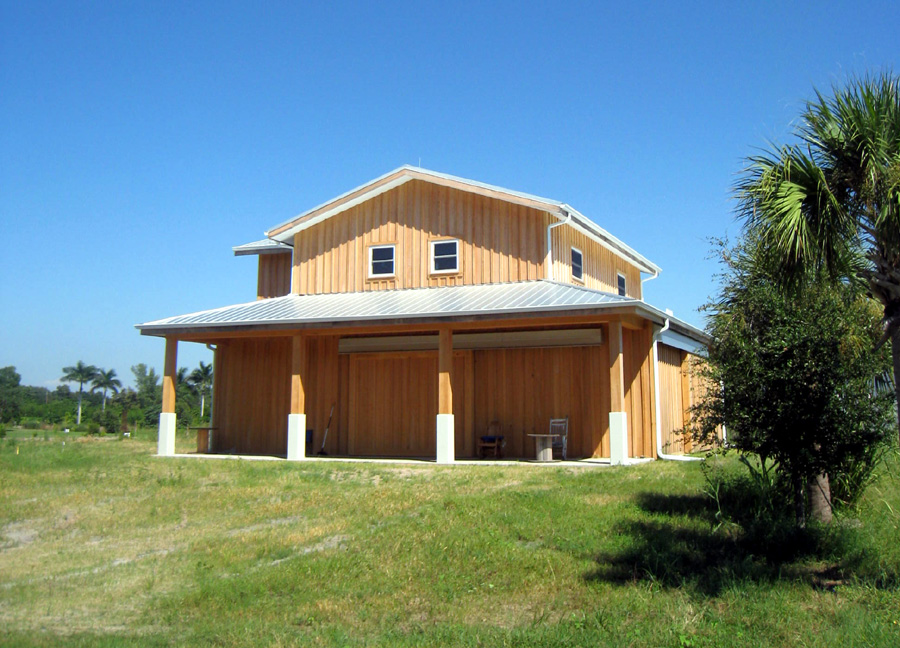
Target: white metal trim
(572, 264)
(434, 242)
(381, 246)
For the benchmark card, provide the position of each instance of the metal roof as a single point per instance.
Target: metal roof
(265, 246)
(527, 297)
(407, 172)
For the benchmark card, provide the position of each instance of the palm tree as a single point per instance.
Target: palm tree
(106, 381)
(202, 379)
(80, 373)
(831, 203)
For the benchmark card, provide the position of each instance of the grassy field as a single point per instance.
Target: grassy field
(102, 544)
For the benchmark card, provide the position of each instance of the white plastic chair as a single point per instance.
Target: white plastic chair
(560, 427)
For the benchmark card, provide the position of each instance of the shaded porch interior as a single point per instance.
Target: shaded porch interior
(385, 392)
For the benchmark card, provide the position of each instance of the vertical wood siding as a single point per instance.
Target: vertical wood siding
(386, 403)
(522, 389)
(672, 399)
(252, 397)
(499, 242)
(393, 401)
(639, 392)
(274, 278)
(600, 264)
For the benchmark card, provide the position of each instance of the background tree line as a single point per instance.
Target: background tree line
(96, 401)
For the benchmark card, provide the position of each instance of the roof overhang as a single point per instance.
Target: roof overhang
(285, 231)
(534, 303)
(265, 246)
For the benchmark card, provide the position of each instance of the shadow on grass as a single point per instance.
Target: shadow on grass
(683, 545)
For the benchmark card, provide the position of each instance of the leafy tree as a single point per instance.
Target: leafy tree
(106, 381)
(80, 373)
(832, 201)
(128, 400)
(797, 372)
(10, 395)
(146, 381)
(202, 379)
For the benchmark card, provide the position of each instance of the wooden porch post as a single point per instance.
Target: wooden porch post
(166, 439)
(446, 434)
(296, 438)
(618, 418)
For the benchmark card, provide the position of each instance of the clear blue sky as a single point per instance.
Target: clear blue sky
(139, 141)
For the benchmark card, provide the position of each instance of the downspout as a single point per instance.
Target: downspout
(549, 258)
(650, 278)
(659, 453)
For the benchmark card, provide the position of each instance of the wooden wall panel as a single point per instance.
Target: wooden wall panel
(600, 264)
(274, 277)
(252, 394)
(522, 389)
(638, 392)
(671, 399)
(393, 402)
(499, 241)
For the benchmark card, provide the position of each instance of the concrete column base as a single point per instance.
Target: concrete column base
(296, 441)
(165, 446)
(446, 439)
(618, 438)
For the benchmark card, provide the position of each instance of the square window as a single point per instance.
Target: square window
(621, 282)
(577, 264)
(381, 261)
(445, 256)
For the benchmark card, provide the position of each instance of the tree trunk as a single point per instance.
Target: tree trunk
(895, 356)
(819, 499)
(202, 399)
(78, 421)
(104, 400)
(799, 501)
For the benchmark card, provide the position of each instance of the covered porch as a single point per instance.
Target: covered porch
(428, 387)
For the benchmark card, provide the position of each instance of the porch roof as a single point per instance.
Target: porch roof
(411, 305)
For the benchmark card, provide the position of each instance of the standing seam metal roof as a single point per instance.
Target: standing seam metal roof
(448, 301)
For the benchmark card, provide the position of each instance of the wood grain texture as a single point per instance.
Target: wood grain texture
(169, 374)
(274, 275)
(600, 265)
(500, 241)
(671, 399)
(522, 389)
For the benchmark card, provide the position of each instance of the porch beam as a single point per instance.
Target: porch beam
(296, 436)
(446, 429)
(618, 418)
(165, 445)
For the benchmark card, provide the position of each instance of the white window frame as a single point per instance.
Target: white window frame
(624, 292)
(449, 270)
(572, 263)
(372, 274)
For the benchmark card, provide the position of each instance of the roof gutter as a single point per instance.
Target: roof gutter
(659, 452)
(548, 260)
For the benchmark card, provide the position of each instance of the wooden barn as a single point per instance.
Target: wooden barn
(426, 315)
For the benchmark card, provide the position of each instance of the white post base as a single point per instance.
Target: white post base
(618, 438)
(165, 446)
(296, 442)
(446, 438)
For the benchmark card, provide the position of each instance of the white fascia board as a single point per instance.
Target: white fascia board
(288, 235)
(683, 342)
(596, 233)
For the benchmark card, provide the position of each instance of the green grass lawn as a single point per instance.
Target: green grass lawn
(103, 544)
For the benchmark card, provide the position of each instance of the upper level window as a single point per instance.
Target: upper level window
(381, 261)
(445, 256)
(577, 264)
(621, 281)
